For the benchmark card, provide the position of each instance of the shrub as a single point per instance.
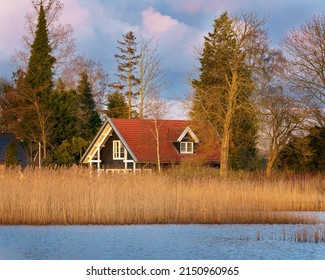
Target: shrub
(11, 156)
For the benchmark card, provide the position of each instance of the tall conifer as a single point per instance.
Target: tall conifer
(40, 67)
(127, 61)
(89, 118)
(224, 73)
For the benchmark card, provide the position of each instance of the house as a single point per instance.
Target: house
(137, 144)
(5, 140)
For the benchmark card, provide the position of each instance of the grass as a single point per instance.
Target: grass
(81, 196)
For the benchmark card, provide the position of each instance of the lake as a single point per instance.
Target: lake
(165, 242)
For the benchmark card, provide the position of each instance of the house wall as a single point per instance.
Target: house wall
(106, 155)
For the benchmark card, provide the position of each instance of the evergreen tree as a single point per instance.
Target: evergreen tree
(305, 153)
(243, 150)
(37, 86)
(11, 156)
(70, 151)
(222, 93)
(66, 143)
(116, 106)
(317, 145)
(64, 107)
(88, 116)
(127, 70)
(40, 67)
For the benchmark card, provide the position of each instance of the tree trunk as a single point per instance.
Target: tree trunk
(158, 146)
(141, 104)
(224, 153)
(270, 163)
(44, 142)
(231, 106)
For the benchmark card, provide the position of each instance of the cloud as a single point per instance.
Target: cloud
(78, 17)
(12, 21)
(194, 7)
(176, 39)
(156, 23)
(206, 6)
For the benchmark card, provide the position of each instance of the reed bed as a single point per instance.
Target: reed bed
(300, 234)
(82, 196)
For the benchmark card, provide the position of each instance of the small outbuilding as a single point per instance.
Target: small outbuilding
(5, 140)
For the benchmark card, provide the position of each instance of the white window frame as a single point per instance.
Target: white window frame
(186, 147)
(118, 150)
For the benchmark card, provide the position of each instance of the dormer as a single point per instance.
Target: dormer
(185, 142)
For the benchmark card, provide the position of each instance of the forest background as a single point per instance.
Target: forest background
(262, 101)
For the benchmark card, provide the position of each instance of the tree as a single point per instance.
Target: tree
(151, 75)
(70, 151)
(97, 77)
(282, 116)
(305, 50)
(11, 156)
(40, 66)
(222, 93)
(60, 36)
(116, 106)
(297, 154)
(64, 107)
(39, 83)
(243, 144)
(157, 112)
(127, 75)
(317, 143)
(25, 113)
(5, 87)
(88, 116)
(305, 153)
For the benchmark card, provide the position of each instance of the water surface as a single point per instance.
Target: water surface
(166, 242)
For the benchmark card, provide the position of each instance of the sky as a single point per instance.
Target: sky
(178, 25)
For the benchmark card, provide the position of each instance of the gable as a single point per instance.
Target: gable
(100, 139)
(188, 134)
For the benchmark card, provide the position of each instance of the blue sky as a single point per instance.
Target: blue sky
(178, 25)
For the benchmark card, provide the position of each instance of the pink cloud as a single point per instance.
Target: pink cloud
(156, 23)
(176, 39)
(74, 13)
(12, 22)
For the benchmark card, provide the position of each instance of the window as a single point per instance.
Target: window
(118, 150)
(186, 148)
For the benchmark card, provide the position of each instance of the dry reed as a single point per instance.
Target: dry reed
(81, 196)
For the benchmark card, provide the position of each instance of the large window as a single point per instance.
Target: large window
(186, 148)
(118, 150)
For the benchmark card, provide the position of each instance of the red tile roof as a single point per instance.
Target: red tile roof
(140, 136)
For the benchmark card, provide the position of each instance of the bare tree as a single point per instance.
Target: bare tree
(283, 114)
(151, 75)
(282, 117)
(97, 77)
(157, 110)
(26, 115)
(305, 51)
